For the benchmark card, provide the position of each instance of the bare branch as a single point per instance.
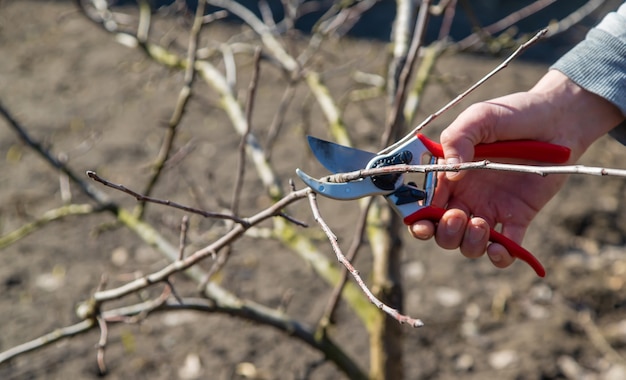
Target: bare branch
(279, 117)
(184, 226)
(395, 116)
(574, 18)
(340, 256)
(102, 344)
(242, 145)
(357, 240)
(179, 110)
(47, 339)
(181, 265)
(48, 216)
(86, 188)
(143, 198)
(504, 23)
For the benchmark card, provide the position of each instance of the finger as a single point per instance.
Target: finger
(422, 230)
(451, 229)
(476, 238)
(499, 255)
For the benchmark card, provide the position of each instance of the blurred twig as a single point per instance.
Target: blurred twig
(143, 198)
(179, 109)
(502, 24)
(242, 146)
(458, 98)
(48, 216)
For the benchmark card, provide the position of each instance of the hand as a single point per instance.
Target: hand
(555, 110)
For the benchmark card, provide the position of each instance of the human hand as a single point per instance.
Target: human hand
(555, 110)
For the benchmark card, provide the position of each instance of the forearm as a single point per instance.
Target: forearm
(598, 64)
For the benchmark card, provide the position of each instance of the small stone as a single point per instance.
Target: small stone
(177, 318)
(569, 367)
(541, 293)
(502, 359)
(414, 270)
(51, 281)
(191, 369)
(464, 363)
(616, 372)
(448, 297)
(119, 256)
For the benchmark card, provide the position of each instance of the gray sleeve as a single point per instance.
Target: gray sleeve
(598, 64)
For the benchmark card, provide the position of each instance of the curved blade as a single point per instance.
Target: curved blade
(342, 191)
(338, 158)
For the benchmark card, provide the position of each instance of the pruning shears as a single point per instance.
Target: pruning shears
(411, 202)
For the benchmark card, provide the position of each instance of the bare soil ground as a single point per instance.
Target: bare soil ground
(103, 106)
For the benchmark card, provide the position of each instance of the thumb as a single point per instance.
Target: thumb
(473, 126)
(516, 116)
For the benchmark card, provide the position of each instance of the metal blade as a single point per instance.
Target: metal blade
(338, 158)
(342, 191)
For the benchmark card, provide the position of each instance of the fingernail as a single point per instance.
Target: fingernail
(495, 257)
(454, 225)
(420, 231)
(476, 234)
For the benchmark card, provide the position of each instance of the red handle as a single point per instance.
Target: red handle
(434, 214)
(523, 149)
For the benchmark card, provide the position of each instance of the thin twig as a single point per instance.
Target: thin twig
(48, 216)
(333, 301)
(181, 265)
(241, 170)
(292, 220)
(48, 339)
(102, 343)
(278, 120)
(504, 23)
(264, 31)
(458, 98)
(355, 274)
(339, 24)
(85, 187)
(181, 103)
(184, 226)
(395, 117)
(574, 17)
(228, 304)
(448, 16)
(143, 198)
(220, 260)
(143, 28)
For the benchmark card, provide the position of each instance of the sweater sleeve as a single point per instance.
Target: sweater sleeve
(598, 63)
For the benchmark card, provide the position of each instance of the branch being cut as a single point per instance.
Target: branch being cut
(476, 165)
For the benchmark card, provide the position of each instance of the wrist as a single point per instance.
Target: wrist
(580, 116)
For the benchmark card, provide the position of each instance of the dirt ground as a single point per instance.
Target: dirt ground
(102, 106)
